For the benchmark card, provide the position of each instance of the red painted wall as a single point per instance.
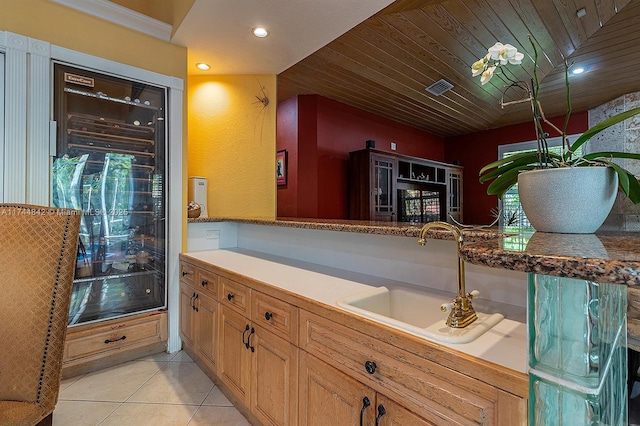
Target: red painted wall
(308, 181)
(318, 134)
(325, 132)
(287, 130)
(476, 150)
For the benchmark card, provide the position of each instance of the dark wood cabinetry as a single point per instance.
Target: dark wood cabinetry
(390, 187)
(372, 182)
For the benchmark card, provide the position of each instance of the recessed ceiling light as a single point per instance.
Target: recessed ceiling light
(202, 66)
(577, 70)
(260, 32)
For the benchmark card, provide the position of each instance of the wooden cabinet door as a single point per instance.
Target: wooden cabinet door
(389, 413)
(234, 295)
(206, 326)
(454, 194)
(187, 272)
(187, 323)
(330, 397)
(383, 187)
(235, 358)
(437, 393)
(274, 379)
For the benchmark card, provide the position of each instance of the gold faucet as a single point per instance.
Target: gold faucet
(461, 312)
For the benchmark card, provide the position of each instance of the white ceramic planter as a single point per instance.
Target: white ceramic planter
(571, 200)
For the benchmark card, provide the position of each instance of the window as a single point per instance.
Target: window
(509, 205)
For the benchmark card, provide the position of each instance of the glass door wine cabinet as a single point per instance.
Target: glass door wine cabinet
(110, 163)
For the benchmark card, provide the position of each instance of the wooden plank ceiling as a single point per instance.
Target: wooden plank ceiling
(384, 64)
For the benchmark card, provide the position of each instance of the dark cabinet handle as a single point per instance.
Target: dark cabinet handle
(191, 301)
(365, 403)
(246, 344)
(381, 412)
(195, 308)
(268, 315)
(230, 297)
(115, 340)
(253, 330)
(184, 273)
(370, 366)
(204, 283)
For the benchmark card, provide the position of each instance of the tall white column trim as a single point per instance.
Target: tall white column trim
(175, 214)
(38, 143)
(15, 134)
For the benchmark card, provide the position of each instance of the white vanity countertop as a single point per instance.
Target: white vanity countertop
(505, 344)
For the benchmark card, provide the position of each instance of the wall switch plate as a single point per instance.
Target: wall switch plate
(211, 234)
(393, 146)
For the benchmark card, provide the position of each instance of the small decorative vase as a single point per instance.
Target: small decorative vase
(570, 200)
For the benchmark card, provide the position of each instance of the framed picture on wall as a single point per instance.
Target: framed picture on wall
(281, 167)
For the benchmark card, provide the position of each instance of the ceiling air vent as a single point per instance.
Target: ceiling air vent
(439, 87)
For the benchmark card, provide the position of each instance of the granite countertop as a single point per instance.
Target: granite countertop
(604, 257)
(612, 257)
(400, 229)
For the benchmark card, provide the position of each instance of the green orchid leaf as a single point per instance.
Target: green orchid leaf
(492, 174)
(627, 182)
(531, 159)
(611, 154)
(589, 133)
(501, 185)
(498, 163)
(634, 189)
(623, 177)
(505, 181)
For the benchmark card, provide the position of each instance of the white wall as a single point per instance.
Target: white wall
(389, 257)
(211, 235)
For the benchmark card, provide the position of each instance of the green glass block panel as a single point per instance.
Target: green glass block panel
(573, 326)
(555, 405)
(577, 352)
(552, 403)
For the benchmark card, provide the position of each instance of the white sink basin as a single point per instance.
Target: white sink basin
(416, 311)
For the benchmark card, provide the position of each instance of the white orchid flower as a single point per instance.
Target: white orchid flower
(504, 53)
(516, 59)
(494, 51)
(508, 51)
(497, 56)
(486, 75)
(478, 67)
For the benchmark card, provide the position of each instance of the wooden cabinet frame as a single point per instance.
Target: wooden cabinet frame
(377, 177)
(286, 360)
(254, 360)
(93, 346)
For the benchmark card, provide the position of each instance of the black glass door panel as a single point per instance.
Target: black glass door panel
(110, 163)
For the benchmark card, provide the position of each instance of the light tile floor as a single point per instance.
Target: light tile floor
(163, 389)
